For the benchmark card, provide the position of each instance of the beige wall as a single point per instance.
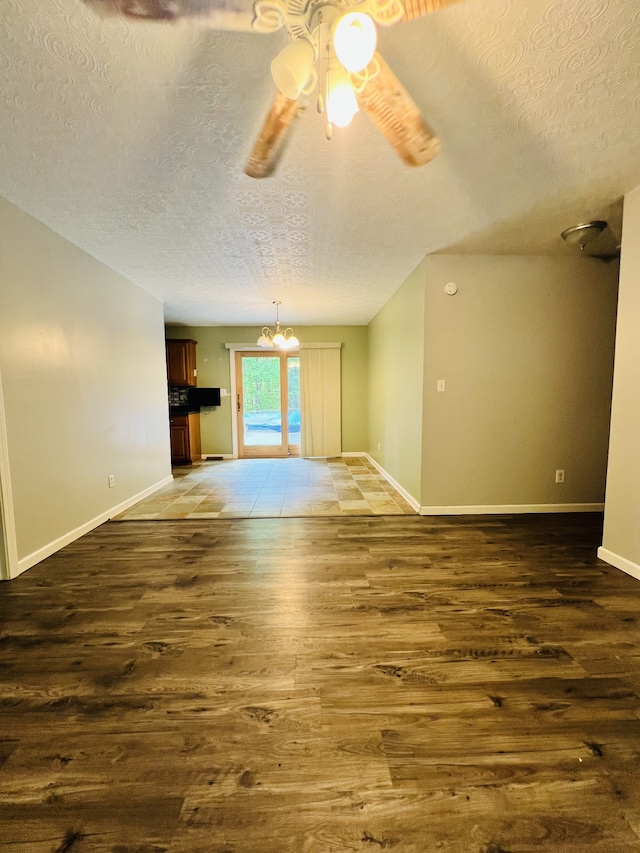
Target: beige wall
(621, 542)
(214, 371)
(526, 350)
(396, 344)
(84, 379)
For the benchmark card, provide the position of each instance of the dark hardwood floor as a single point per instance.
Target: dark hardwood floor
(318, 685)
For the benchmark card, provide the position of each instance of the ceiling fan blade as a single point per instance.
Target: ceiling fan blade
(271, 141)
(419, 8)
(390, 107)
(213, 14)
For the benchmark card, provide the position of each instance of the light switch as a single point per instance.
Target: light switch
(440, 385)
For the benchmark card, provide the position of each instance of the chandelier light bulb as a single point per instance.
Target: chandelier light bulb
(288, 342)
(354, 40)
(263, 340)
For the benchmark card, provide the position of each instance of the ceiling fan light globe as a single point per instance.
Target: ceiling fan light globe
(278, 340)
(263, 341)
(354, 40)
(293, 342)
(292, 67)
(341, 103)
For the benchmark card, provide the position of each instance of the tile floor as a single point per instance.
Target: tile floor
(272, 488)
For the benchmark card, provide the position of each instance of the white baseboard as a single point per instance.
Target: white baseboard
(489, 509)
(619, 562)
(413, 503)
(51, 548)
(140, 496)
(509, 509)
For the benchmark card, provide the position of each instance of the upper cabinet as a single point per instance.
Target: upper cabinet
(181, 362)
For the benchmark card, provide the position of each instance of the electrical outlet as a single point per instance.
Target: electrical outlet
(112, 481)
(560, 475)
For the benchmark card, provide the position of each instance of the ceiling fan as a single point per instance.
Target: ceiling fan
(333, 48)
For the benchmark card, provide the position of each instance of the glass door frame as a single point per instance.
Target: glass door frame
(285, 448)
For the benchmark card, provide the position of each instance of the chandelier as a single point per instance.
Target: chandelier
(283, 340)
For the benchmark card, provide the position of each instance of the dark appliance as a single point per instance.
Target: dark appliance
(204, 397)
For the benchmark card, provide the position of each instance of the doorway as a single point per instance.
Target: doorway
(268, 404)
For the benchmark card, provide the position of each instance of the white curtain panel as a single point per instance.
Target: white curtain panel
(320, 433)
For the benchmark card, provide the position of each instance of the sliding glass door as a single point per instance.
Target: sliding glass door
(268, 404)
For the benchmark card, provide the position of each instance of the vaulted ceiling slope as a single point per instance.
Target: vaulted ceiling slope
(129, 140)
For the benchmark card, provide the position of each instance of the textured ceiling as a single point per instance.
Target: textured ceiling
(129, 140)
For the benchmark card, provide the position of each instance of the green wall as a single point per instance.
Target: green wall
(396, 353)
(526, 350)
(214, 371)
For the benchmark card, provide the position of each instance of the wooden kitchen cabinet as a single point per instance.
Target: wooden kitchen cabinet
(181, 362)
(186, 447)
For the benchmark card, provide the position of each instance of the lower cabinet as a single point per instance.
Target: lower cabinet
(185, 439)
